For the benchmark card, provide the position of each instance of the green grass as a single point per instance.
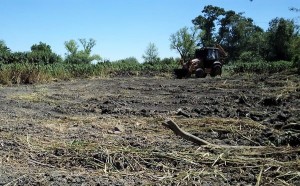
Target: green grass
(260, 67)
(26, 73)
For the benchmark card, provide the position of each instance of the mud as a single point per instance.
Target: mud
(109, 131)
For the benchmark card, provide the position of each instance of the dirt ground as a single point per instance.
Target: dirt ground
(109, 131)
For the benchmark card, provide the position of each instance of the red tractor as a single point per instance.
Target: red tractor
(208, 60)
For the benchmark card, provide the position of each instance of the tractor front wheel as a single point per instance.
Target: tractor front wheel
(200, 73)
(181, 73)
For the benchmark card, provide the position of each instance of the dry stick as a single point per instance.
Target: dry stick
(178, 131)
(259, 177)
(175, 128)
(39, 163)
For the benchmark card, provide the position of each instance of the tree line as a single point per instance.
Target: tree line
(42, 53)
(239, 36)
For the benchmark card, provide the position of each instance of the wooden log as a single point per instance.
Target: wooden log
(201, 142)
(178, 131)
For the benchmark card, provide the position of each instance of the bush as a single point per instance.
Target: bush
(18, 57)
(296, 63)
(43, 57)
(250, 56)
(262, 67)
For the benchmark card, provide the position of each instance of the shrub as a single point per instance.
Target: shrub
(296, 63)
(250, 56)
(43, 57)
(262, 67)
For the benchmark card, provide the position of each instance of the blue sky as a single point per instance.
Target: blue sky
(122, 28)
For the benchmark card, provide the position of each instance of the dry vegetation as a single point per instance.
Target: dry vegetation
(110, 132)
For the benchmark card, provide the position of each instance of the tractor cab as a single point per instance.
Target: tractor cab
(208, 55)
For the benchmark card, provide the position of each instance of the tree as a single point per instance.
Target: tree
(295, 45)
(129, 60)
(207, 24)
(151, 54)
(87, 45)
(232, 30)
(72, 47)
(3, 47)
(42, 53)
(76, 56)
(184, 41)
(4, 52)
(41, 47)
(238, 34)
(280, 35)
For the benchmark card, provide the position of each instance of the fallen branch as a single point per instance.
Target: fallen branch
(175, 128)
(190, 137)
(39, 163)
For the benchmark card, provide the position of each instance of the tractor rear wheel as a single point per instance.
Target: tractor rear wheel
(216, 71)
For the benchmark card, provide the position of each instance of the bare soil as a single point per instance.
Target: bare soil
(109, 131)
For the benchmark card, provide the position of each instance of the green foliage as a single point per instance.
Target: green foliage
(41, 47)
(234, 32)
(24, 73)
(151, 54)
(250, 56)
(245, 42)
(238, 33)
(295, 46)
(21, 73)
(87, 45)
(130, 62)
(18, 57)
(261, 67)
(42, 53)
(184, 41)
(5, 52)
(207, 24)
(169, 61)
(76, 56)
(43, 57)
(3, 47)
(280, 36)
(296, 63)
(72, 47)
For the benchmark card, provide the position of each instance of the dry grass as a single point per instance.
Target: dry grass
(78, 143)
(96, 148)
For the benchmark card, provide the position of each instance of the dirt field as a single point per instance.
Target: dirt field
(110, 132)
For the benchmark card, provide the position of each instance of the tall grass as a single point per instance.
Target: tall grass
(22, 74)
(26, 73)
(260, 67)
